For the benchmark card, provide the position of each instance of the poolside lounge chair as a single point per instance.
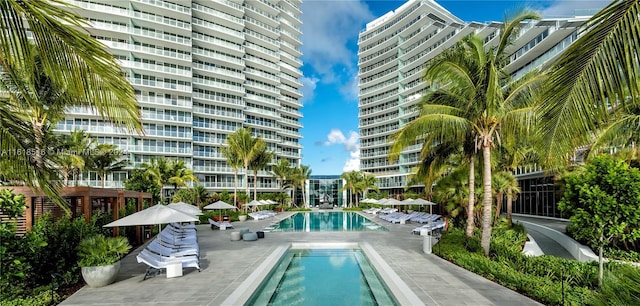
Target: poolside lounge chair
(159, 262)
(221, 225)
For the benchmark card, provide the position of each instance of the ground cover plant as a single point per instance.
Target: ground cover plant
(547, 279)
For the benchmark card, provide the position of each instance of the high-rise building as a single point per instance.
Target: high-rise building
(393, 51)
(201, 70)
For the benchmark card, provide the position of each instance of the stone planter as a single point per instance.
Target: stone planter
(242, 218)
(100, 276)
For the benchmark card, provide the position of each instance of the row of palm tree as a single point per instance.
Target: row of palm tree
(358, 182)
(243, 150)
(589, 98)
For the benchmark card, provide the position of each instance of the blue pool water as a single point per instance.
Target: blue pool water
(323, 277)
(325, 222)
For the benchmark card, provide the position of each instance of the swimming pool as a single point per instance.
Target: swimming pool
(325, 221)
(323, 277)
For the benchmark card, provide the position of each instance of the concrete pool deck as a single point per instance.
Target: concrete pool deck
(226, 264)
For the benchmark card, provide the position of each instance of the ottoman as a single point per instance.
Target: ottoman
(235, 236)
(250, 237)
(260, 234)
(243, 230)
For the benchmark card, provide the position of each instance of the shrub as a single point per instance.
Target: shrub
(102, 251)
(621, 286)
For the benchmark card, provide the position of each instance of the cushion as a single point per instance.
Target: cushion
(235, 236)
(250, 237)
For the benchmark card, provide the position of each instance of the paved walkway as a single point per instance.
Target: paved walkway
(546, 244)
(226, 264)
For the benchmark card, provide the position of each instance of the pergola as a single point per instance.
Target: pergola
(82, 201)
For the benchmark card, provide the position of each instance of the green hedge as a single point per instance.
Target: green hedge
(536, 277)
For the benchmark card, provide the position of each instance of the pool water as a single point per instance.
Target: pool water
(325, 222)
(323, 277)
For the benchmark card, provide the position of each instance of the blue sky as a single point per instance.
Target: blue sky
(330, 33)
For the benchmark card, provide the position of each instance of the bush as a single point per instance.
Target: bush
(43, 298)
(99, 250)
(622, 255)
(538, 277)
(621, 286)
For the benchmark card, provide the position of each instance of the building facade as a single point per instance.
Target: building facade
(393, 51)
(201, 70)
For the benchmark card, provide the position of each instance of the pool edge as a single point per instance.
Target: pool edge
(243, 293)
(399, 289)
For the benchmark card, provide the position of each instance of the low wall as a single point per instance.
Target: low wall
(577, 250)
(531, 247)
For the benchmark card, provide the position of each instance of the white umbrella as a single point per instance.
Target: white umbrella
(264, 202)
(372, 201)
(253, 203)
(186, 208)
(157, 214)
(220, 205)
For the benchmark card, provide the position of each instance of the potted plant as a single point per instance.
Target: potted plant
(242, 217)
(100, 259)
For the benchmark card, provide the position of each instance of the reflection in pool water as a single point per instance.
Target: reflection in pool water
(325, 222)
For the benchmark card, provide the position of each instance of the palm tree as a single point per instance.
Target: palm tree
(281, 170)
(369, 182)
(260, 162)
(246, 147)
(159, 170)
(503, 183)
(476, 100)
(179, 175)
(295, 176)
(352, 180)
(304, 172)
(595, 82)
(73, 62)
(201, 196)
(106, 160)
(77, 143)
(234, 161)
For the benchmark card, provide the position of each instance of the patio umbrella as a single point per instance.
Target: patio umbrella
(186, 208)
(219, 205)
(372, 201)
(157, 214)
(253, 204)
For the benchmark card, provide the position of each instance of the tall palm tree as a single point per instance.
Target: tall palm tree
(247, 147)
(260, 162)
(351, 181)
(234, 161)
(594, 84)
(503, 183)
(304, 173)
(72, 61)
(474, 100)
(107, 159)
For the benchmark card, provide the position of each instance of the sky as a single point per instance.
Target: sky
(330, 67)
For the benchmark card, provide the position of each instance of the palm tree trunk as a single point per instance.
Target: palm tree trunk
(246, 179)
(235, 188)
(255, 185)
(509, 204)
(487, 199)
(472, 197)
(498, 207)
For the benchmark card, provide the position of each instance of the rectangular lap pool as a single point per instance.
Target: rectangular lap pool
(325, 222)
(323, 277)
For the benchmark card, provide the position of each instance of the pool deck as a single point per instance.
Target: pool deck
(226, 264)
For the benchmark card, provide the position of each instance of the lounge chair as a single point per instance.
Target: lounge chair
(159, 262)
(221, 225)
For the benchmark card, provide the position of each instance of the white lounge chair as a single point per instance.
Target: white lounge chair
(221, 225)
(159, 262)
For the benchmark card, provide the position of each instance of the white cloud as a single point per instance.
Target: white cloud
(569, 8)
(351, 144)
(351, 90)
(328, 28)
(353, 163)
(308, 88)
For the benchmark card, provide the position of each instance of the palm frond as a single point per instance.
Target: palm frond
(598, 71)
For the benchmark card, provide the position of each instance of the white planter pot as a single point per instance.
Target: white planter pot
(242, 217)
(100, 276)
